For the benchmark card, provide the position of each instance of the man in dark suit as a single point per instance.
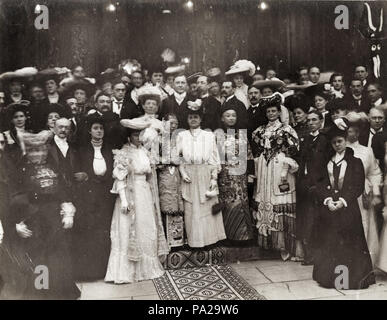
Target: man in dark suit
(312, 159)
(355, 99)
(63, 156)
(255, 114)
(376, 124)
(177, 103)
(131, 107)
(228, 90)
(211, 106)
(379, 147)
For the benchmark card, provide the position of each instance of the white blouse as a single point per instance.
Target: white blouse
(198, 147)
(99, 163)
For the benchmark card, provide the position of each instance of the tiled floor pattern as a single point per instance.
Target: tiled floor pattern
(275, 279)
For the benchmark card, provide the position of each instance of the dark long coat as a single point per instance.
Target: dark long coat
(341, 236)
(91, 245)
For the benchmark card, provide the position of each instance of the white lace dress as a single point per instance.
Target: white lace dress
(137, 237)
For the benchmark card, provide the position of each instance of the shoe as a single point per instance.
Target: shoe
(285, 255)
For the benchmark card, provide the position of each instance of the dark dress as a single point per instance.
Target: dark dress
(341, 236)
(91, 245)
(233, 194)
(36, 194)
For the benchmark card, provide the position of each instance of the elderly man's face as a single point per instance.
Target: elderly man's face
(377, 118)
(254, 95)
(361, 73)
(374, 93)
(314, 74)
(62, 128)
(103, 104)
(227, 89)
(180, 84)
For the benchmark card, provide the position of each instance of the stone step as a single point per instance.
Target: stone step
(191, 258)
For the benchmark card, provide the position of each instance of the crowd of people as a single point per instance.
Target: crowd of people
(102, 178)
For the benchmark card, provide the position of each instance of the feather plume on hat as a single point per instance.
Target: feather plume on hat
(20, 73)
(242, 66)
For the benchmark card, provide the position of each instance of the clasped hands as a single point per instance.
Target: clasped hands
(335, 205)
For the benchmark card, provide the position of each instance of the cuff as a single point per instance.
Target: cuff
(344, 202)
(327, 200)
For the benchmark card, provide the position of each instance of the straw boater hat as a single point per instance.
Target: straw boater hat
(242, 66)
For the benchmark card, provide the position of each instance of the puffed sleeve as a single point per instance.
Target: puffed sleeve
(120, 171)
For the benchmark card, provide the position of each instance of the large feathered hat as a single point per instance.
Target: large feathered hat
(242, 66)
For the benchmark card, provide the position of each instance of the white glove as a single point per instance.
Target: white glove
(23, 231)
(67, 222)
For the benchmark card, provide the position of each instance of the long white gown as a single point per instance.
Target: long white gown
(373, 181)
(137, 237)
(201, 163)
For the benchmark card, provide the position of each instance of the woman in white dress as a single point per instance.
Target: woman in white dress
(373, 181)
(137, 234)
(199, 171)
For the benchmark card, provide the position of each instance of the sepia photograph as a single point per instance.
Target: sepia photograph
(193, 150)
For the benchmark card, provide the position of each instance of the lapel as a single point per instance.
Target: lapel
(54, 151)
(343, 169)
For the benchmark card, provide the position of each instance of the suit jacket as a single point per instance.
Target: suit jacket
(169, 105)
(130, 109)
(256, 117)
(378, 146)
(212, 113)
(352, 104)
(71, 161)
(242, 116)
(312, 159)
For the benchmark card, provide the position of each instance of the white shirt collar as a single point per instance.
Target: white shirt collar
(378, 102)
(230, 97)
(315, 133)
(59, 140)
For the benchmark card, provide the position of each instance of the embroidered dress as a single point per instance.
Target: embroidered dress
(137, 236)
(275, 211)
(233, 194)
(171, 200)
(201, 163)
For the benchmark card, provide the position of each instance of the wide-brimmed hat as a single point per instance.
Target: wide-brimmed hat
(296, 86)
(149, 92)
(21, 75)
(175, 70)
(194, 77)
(275, 84)
(73, 85)
(242, 66)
